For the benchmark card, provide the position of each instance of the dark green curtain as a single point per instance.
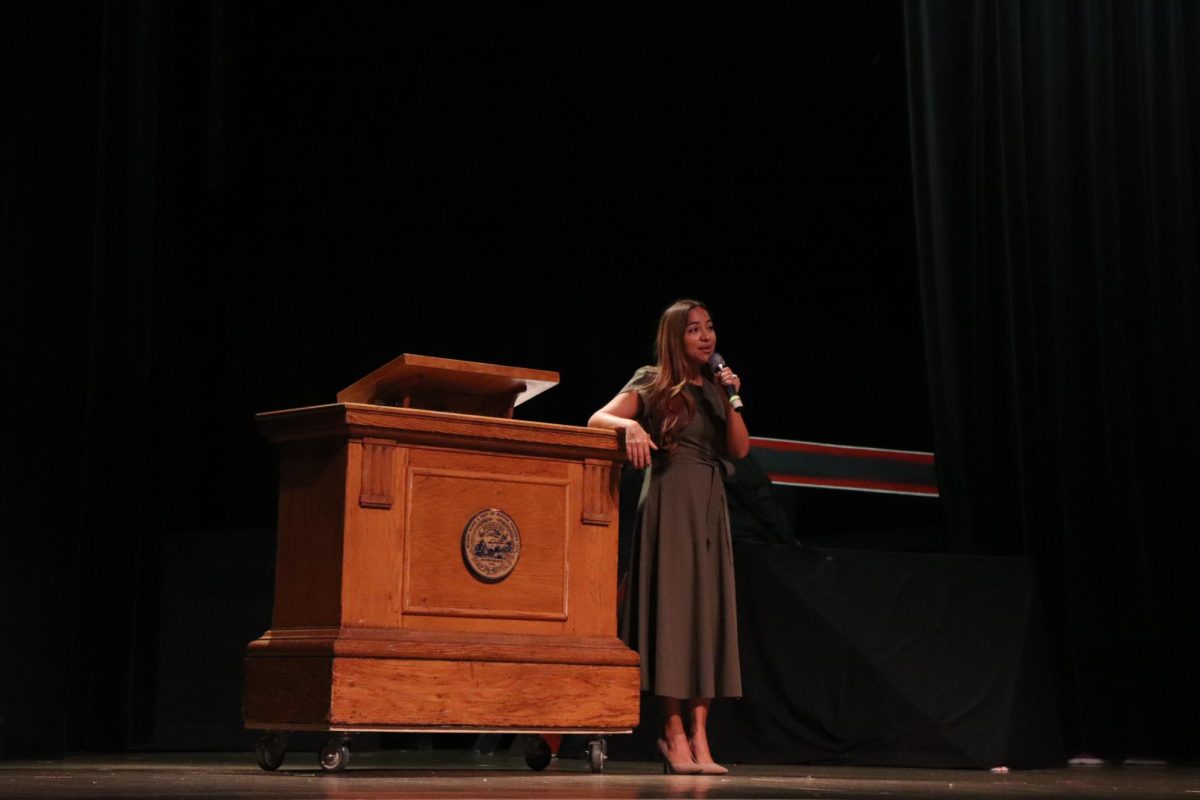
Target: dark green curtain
(1054, 149)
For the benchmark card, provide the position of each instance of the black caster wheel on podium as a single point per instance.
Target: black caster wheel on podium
(335, 755)
(270, 751)
(597, 754)
(537, 753)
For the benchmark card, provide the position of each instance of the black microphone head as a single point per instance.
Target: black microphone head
(715, 362)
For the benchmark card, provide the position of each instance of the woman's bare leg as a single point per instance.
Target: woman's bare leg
(674, 733)
(697, 710)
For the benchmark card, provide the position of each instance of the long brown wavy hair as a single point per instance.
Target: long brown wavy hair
(668, 407)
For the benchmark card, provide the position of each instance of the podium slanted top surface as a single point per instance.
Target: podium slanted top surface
(445, 384)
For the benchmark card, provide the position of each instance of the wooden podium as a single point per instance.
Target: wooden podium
(439, 570)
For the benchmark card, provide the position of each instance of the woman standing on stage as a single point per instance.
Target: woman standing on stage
(680, 612)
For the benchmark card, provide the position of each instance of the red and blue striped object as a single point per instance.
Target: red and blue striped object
(838, 466)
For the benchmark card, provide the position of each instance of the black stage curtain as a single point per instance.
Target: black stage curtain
(1054, 149)
(87, 213)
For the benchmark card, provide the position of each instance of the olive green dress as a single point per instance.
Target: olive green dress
(680, 611)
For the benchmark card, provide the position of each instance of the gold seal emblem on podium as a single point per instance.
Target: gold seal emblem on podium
(491, 545)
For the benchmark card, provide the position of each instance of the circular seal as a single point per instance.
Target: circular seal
(491, 545)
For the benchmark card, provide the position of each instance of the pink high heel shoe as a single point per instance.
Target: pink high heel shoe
(688, 767)
(707, 767)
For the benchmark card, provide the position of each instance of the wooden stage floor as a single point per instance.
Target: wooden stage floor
(459, 774)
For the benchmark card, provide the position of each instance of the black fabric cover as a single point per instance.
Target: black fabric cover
(889, 658)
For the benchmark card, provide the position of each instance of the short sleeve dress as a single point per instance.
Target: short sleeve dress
(680, 611)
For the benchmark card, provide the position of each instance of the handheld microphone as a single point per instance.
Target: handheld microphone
(716, 364)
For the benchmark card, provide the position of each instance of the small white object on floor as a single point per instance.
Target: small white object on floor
(1086, 760)
(1001, 770)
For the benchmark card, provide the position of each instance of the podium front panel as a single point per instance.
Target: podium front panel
(447, 492)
